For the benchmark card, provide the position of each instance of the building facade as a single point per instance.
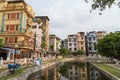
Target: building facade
(91, 41)
(100, 34)
(72, 43)
(15, 23)
(64, 43)
(38, 37)
(44, 25)
(55, 42)
(81, 41)
(76, 42)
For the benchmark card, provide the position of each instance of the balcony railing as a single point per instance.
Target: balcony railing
(25, 32)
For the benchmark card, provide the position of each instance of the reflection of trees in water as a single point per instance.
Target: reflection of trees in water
(63, 70)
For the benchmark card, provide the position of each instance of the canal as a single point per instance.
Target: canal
(69, 71)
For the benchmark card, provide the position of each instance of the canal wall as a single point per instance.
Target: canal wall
(32, 70)
(106, 73)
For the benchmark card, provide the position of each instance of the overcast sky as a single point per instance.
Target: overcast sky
(72, 16)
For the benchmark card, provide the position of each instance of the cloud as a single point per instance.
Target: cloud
(72, 16)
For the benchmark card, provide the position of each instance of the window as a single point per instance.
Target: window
(12, 27)
(74, 40)
(93, 38)
(82, 48)
(81, 43)
(34, 27)
(90, 48)
(74, 44)
(16, 27)
(11, 40)
(13, 15)
(81, 37)
(7, 28)
(18, 15)
(69, 39)
(70, 49)
(70, 44)
(89, 39)
(8, 16)
(71, 73)
(6, 39)
(90, 43)
(75, 49)
(16, 39)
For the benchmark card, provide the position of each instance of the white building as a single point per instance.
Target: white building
(72, 43)
(38, 33)
(55, 41)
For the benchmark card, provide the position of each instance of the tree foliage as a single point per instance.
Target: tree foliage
(109, 46)
(64, 52)
(80, 52)
(1, 43)
(103, 4)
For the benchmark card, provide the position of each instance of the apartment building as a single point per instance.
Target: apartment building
(15, 25)
(37, 37)
(55, 42)
(44, 25)
(100, 34)
(81, 41)
(64, 43)
(72, 43)
(91, 40)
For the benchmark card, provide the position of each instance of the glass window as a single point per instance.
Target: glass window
(34, 27)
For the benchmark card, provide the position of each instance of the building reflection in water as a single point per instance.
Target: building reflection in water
(69, 71)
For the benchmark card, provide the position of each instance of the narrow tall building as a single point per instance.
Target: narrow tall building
(55, 42)
(72, 43)
(37, 37)
(91, 40)
(81, 41)
(44, 25)
(15, 25)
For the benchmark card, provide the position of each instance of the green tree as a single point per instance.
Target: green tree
(64, 52)
(80, 52)
(103, 4)
(1, 43)
(109, 46)
(52, 48)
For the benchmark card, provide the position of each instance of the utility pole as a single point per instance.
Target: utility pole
(34, 43)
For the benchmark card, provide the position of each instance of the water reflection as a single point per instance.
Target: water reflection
(69, 71)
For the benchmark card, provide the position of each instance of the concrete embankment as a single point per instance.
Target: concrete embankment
(106, 73)
(32, 70)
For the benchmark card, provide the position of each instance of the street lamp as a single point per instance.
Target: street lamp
(15, 47)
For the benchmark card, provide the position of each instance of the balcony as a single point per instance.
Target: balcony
(17, 33)
(11, 8)
(27, 46)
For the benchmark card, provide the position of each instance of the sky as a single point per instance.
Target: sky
(72, 16)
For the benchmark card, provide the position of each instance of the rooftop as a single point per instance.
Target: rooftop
(42, 17)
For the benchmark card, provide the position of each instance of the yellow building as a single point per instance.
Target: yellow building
(44, 25)
(100, 34)
(15, 24)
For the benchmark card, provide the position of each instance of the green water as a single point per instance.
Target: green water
(69, 71)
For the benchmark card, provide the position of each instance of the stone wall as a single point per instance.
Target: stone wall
(32, 70)
(109, 75)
